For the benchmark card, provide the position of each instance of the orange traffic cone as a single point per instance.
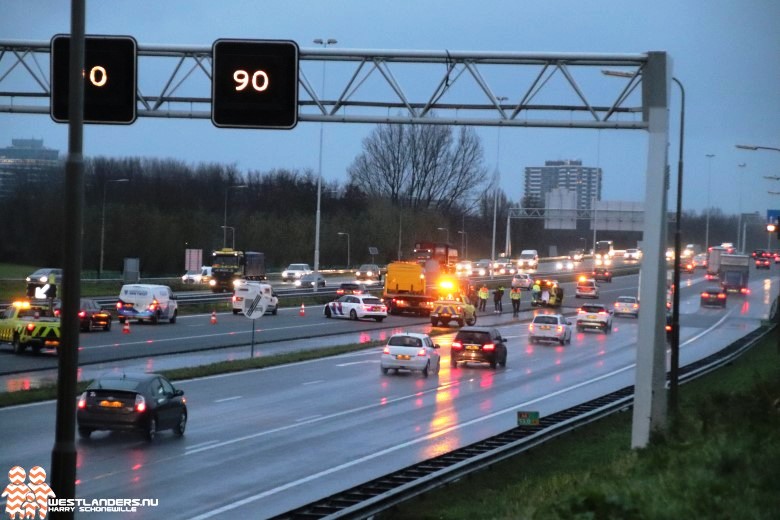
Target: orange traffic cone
(214, 318)
(126, 328)
(302, 312)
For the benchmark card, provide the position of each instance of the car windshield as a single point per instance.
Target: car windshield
(473, 337)
(547, 320)
(405, 341)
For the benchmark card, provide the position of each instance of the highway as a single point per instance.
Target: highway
(260, 443)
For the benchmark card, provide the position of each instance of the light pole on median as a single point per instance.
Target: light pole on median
(463, 243)
(103, 224)
(739, 212)
(496, 183)
(224, 225)
(709, 185)
(342, 233)
(447, 231)
(324, 42)
(233, 230)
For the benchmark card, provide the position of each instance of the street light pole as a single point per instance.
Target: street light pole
(497, 182)
(674, 372)
(448, 233)
(103, 224)
(233, 230)
(224, 225)
(709, 183)
(349, 263)
(739, 212)
(324, 43)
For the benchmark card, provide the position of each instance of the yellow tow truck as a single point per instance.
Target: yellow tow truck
(452, 304)
(24, 324)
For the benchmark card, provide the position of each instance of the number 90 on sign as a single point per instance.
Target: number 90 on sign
(254, 84)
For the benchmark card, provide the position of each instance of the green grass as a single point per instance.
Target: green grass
(724, 462)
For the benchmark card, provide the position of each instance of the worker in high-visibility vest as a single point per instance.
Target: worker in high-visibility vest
(536, 291)
(515, 295)
(483, 296)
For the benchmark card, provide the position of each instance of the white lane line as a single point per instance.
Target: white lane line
(202, 444)
(308, 418)
(228, 399)
(313, 382)
(369, 361)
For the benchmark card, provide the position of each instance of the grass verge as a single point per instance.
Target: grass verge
(722, 462)
(48, 392)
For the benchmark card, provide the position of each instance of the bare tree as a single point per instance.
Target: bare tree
(419, 166)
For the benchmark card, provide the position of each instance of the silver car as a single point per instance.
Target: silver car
(627, 306)
(550, 327)
(411, 351)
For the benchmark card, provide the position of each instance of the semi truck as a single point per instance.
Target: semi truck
(229, 267)
(733, 272)
(713, 260)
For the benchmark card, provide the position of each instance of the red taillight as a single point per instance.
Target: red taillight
(119, 305)
(56, 313)
(457, 345)
(154, 305)
(705, 295)
(560, 328)
(636, 305)
(745, 290)
(603, 313)
(488, 346)
(31, 327)
(83, 400)
(386, 350)
(421, 353)
(722, 296)
(140, 404)
(339, 291)
(82, 314)
(668, 328)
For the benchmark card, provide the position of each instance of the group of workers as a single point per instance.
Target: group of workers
(541, 294)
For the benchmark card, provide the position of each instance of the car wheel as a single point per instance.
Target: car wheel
(108, 326)
(327, 311)
(562, 341)
(173, 318)
(434, 322)
(472, 320)
(155, 318)
(426, 369)
(273, 312)
(17, 345)
(236, 311)
(493, 364)
(181, 425)
(121, 320)
(453, 363)
(385, 370)
(151, 429)
(84, 433)
(379, 319)
(438, 366)
(353, 315)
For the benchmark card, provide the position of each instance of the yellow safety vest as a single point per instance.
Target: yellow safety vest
(515, 294)
(483, 293)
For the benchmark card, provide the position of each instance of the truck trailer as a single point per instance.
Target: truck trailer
(733, 272)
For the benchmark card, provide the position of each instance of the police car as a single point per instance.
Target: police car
(355, 307)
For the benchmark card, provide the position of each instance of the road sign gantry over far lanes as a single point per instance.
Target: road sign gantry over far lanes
(254, 84)
(110, 79)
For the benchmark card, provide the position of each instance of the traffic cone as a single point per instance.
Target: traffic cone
(126, 327)
(214, 317)
(302, 312)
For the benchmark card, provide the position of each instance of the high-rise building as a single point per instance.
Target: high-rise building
(585, 181)
(26, 163)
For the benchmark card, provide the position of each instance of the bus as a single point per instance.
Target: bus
(603, 252)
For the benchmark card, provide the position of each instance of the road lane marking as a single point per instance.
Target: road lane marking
(202, 444)
(370, 361)
(309, 418)
(314, 382)
(228, 399)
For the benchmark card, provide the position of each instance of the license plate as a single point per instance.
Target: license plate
(545, 327)
(472, 347)
(403, 357)
(591, 317)
(111, 404)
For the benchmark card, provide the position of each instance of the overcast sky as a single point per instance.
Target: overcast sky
(725, 52)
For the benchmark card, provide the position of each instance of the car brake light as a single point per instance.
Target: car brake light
(722, 296)
(235, 299)
(140, 404)
(421, 353)
(31, 327)
(457, 345)
(668, 328)
(488, 346)
(601, 313)
(560, 328)
(386, 350)
(339, 291)
(119, 304)
(83, 400)
(636, 305)
(82, 314)
(705, 295)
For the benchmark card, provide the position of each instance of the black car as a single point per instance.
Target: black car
(145, 403)
(91, 315)
(478, 345)
(351, 288)
(714, 297)
(602, 274)
(762, 263)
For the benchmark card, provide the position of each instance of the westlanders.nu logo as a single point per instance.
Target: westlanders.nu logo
(26, 499)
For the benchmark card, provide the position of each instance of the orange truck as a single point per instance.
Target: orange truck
(406, 289)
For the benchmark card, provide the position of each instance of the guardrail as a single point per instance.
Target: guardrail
(390, 490)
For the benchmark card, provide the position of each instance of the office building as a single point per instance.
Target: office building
(584, 181)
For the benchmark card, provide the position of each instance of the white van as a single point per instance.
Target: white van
(529, 259)
(240, 296)
(146, 302)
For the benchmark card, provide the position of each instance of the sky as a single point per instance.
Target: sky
(726, 53)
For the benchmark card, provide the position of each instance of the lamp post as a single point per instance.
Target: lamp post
(770, 228)
(233, 229)
(447, 231)
(740, 238)
(103, 224)
(709, 184)
(463, 242)
(324, 43)
(496, 183)
(754, 148)
(224, 225)
(342, 233)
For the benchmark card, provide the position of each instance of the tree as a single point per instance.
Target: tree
(419, 166)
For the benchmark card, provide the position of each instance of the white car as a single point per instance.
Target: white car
(295, 272)
(586, 288)
(594, 316)
(310, 280)
(410, 351)
(565, 265)
(241, 291)
(632, 255)
(546, 327)
(522, 280)
(191, 276)
(627, 306)
(355, 307)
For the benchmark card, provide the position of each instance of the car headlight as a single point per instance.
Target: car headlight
(212, 282)
(297, 283)
(284, 274)
(559, 265)
(236, 283)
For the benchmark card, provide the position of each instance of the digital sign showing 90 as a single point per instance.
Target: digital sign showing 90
(255, 84)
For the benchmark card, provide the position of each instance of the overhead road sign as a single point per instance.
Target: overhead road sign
(254, 84)
(110, 79)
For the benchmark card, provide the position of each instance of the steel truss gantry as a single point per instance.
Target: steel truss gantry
(374, 86)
